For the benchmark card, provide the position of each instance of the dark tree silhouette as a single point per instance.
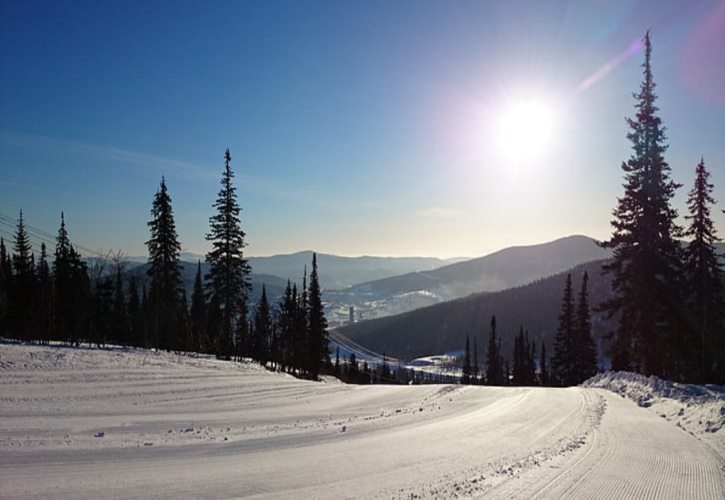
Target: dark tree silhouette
(23, 284)
(164, 271)
(564, 361)
(318, 339)
(494, 367)
(646, 264)
(467, 369)
(585, 351)
(71, 290)
(228, 278)
(706, 346)
(543, 366)
(197, 314)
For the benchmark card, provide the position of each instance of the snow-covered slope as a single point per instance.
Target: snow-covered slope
(700, 410)
(135, 423)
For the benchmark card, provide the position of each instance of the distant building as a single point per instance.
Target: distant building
(352, 314)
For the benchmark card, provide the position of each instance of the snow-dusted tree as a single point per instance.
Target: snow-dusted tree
(165, 272)
(646, 264)
(228, 278)
(704, 275)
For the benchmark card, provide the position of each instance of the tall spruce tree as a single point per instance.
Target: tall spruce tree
(318, 341)
(165, 272)
(71, 290)
(228, 279)
(564, 361)
(23, 284)
(705, 346)
(585, 351)
(646, 263)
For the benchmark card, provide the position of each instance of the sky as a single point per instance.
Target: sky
(355, 128)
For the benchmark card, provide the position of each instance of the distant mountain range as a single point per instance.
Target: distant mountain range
(335, 271)
(504, 269)
(443, 327)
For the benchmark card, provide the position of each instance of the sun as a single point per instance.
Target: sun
(526, 130)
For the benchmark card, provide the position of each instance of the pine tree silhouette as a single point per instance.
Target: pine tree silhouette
(705, 344)
(228, 277)
(165, 272)
(646, 263)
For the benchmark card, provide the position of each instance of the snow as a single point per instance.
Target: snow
(698, 409)
(136, 423)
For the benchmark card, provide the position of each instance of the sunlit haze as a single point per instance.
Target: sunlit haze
(402, 128)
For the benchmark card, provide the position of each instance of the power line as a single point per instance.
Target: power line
(44, 236)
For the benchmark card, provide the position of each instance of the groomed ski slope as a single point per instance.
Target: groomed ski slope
(113, 423)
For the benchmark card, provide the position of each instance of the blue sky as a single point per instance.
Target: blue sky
(355, 127)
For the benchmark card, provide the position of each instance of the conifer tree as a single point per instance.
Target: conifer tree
(705, 347)
(197, 315)
(494, 367)
(563, 363)
(44, 302)
(120, 328)
(5, 274)
(646, 264)
(544, 366)
(135, 314)
(262, 329)
(467, 369)
(585, 351)
(318, 339)
(476, 367)
(71, 290)
(22, 284)
(164, 271)
(228, 278)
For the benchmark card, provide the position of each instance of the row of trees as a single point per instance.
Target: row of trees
(293, 336)
(521, 370)
(668, 299)
(71, 302)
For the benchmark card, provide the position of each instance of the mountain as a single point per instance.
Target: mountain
(341, 272)
(275, 285)
(504, 269)
(443, 327)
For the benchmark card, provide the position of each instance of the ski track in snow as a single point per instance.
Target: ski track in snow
(119, 423)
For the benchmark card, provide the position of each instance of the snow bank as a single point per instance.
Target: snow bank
(698, 409)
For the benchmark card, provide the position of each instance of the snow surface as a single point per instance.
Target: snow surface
(134, 423)
(698, 409)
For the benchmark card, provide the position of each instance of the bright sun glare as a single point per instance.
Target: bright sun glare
(526, 130)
